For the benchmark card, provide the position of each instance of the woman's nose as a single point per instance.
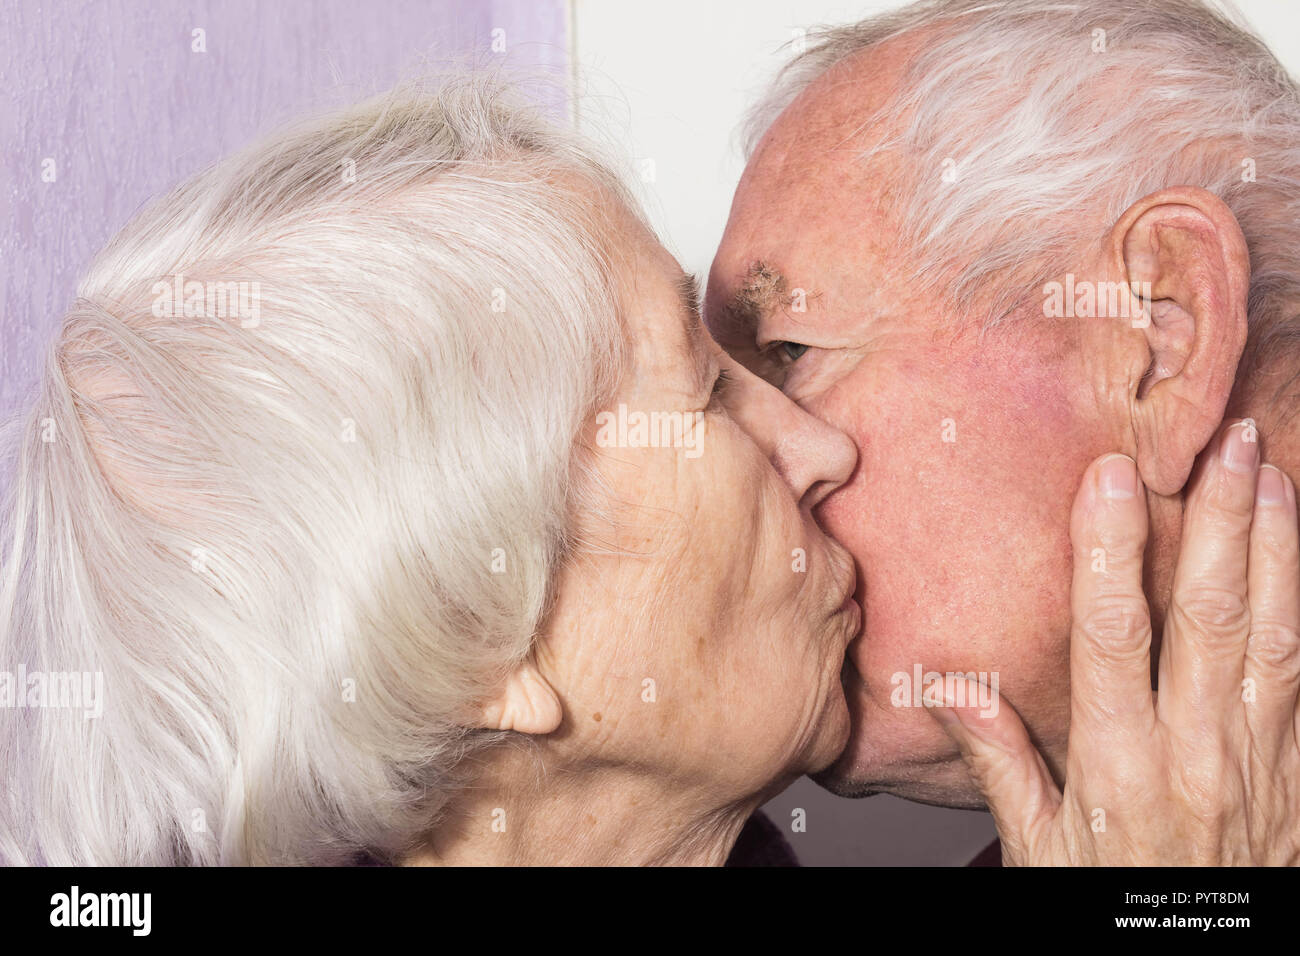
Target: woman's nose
(812, 456)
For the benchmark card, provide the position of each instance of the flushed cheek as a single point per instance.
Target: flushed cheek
(963, 546)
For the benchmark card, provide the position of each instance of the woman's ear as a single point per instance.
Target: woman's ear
(527, 703)
(1183, 253)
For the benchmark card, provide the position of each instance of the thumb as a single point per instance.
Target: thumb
(1002, 760)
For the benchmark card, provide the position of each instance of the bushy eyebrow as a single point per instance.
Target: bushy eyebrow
(761, 290)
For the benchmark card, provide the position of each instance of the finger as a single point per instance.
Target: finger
(1271, 680)
(1110, 637)
(1203, 654)
(1003, 762)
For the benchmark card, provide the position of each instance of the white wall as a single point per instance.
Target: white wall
(671, 81)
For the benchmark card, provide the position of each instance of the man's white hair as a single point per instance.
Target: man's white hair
(302, 549)
(1051, 117)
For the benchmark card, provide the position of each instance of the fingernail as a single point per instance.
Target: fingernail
(1241, 447)
(1271, 489)
(1119, 478)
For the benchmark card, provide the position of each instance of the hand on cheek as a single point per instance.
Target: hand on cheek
(1190, 774)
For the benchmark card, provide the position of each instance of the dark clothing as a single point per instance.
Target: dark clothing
(991, 855)
(761, 843)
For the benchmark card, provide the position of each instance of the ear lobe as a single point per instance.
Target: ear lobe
(1183, 254)
(527, 703)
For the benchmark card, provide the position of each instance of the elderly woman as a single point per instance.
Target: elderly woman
(325, 502)
(387, 477)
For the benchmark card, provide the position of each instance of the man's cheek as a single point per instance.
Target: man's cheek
(956, 586)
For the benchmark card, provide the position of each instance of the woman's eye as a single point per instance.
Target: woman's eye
(720, 386)
(792, 350)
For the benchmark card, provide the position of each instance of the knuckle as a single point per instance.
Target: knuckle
(1276, 647)
(1217, 614)
(1121, 624)
(1207, 788)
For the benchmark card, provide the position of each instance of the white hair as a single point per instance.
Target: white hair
(1050, 129)
(302, 549)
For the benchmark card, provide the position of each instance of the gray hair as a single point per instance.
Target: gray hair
(1052, 130)
(301, 549)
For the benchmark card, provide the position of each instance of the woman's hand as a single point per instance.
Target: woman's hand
(1206, 771)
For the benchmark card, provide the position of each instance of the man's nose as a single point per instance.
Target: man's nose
(812, 456)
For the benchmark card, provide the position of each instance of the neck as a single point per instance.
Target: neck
(521, 813)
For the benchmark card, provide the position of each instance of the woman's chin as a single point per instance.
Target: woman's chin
(833, 733)
(835, 765)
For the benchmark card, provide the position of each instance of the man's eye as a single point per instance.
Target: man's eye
(792, 350)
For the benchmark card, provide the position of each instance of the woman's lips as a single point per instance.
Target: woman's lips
(856, 654)
(851, 608)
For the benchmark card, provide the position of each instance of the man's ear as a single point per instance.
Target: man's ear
(1182, 252)
(526, 703)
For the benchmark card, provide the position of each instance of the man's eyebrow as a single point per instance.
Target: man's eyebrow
(760, 290)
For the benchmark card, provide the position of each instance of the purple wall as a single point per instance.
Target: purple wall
(113, 93)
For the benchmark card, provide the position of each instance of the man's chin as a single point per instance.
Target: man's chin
(950, 786)
(842, 784)
(940, 782)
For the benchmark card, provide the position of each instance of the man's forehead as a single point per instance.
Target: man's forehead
(814, 158)
(832, 111)
(812, 211)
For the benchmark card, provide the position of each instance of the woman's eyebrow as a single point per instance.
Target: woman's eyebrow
(688, 292)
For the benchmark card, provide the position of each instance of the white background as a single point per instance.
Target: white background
(669, 81)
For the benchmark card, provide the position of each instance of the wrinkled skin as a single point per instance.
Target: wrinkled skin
(1207, 771)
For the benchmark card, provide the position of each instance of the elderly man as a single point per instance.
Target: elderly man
(992, 239)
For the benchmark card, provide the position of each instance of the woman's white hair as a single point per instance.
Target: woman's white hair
(301, 542)
(1051, 117)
